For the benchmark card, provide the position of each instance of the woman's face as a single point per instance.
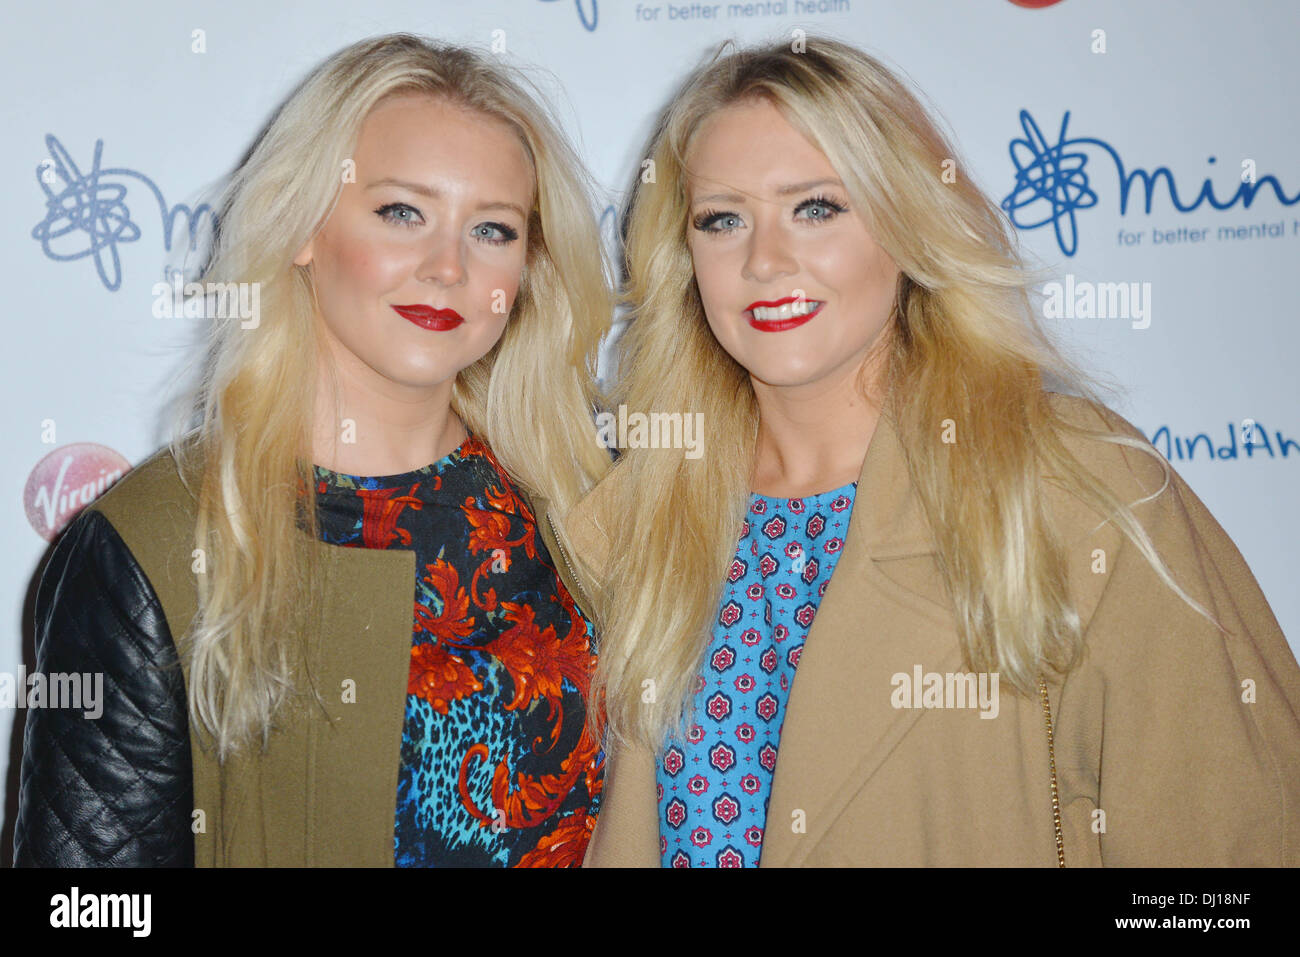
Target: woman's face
(418, 265)
(769, 223)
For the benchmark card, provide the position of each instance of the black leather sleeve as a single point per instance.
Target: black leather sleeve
(116, 790)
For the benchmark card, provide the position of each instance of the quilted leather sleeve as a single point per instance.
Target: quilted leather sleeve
(114, 790)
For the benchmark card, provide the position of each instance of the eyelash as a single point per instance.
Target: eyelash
(385, 213)
(704, 220)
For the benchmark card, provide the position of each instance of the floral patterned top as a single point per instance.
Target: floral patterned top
(497, 767)
(713, 788)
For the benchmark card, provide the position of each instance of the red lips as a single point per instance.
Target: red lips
(779, 325)
(426, 317)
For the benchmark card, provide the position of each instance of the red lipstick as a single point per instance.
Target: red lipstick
(426, 317)
(780, 325)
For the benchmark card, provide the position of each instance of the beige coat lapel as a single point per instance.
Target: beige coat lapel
(839, 722)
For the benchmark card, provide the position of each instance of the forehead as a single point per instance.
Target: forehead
(426, 138)
(753, 148)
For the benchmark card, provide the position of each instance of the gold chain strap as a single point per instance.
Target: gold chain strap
(1051, 759)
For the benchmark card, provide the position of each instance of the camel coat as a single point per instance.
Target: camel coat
(1173, 745)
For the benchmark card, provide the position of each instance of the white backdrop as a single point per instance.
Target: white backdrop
(113, 124)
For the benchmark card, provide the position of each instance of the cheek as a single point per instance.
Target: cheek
(498, 279)
(858, 272)
(359, 266)
(714, 276)
(507, 280)
(845, 267)
(722, 298)
(722, 316)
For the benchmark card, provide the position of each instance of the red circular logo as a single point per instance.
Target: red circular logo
(66, 481)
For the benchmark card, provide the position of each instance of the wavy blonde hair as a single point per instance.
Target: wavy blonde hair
(248, 461)
(963, 343)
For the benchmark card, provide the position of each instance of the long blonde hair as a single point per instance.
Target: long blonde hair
(963, 343)
(248, 459)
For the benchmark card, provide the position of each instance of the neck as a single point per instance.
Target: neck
(813, 438)
(371, 425)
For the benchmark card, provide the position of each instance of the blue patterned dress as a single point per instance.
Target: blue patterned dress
(713, 788)
(496, 767)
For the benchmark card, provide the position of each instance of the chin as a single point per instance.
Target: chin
(427, 369)
(421, 378)
(786, 374)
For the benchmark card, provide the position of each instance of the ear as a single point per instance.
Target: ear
(305, 254)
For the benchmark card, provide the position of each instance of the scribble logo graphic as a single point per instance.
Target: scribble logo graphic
(583, 7)
(66, 481)
(1053, 184)
(86, 214)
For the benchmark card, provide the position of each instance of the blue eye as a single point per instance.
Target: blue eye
(706, 221)
(829, 209)
(389, 214)
(507, 234)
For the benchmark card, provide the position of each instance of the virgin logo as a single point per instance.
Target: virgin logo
(66, 481)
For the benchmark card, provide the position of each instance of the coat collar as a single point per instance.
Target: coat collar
(892, 524)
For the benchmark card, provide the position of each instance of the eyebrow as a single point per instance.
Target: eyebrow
(780, 191)
(433, 193)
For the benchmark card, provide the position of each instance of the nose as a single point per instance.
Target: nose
(769, 255)
(444, 262)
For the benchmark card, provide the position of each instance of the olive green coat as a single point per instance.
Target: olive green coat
(324, 792)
